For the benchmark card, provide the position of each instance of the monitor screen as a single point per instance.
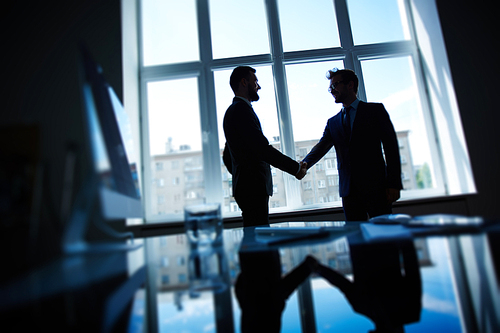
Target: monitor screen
(110, 139)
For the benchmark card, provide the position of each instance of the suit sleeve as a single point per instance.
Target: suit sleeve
(279, 160)
(226, 158)
(244, 131)
(320, 149)
(391, 149)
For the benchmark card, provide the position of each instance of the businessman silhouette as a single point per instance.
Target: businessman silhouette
(369, 177)
(248, 154)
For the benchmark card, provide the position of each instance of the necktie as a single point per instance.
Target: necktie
(347, 122)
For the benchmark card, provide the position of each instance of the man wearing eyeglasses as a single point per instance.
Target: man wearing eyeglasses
(369, 177)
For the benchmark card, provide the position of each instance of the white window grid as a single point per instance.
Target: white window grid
(351, 55)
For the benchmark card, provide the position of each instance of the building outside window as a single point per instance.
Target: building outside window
(189, 48)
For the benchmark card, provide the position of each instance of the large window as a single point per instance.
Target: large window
(189, 48)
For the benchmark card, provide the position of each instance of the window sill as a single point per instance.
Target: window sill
(313, 214)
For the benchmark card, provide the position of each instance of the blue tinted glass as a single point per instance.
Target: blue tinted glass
(308, 24)
(169, 31)
(378, 21)
(238, 28)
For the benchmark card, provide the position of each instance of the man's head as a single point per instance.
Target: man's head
(243, 82)
(343, 85)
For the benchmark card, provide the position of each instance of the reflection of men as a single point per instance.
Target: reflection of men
(247, 154)
(368, 183)
(262, 290)
(387, 286)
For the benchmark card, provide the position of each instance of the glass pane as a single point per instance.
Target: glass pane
(308, 24)
(265, 108)
(392, 82)
(175, 146)
(311, 105)
(169, 31)
(238, 28)
(378, 21)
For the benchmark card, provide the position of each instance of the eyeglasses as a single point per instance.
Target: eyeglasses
(334, 85)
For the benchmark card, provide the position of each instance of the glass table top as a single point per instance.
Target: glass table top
(337, 283)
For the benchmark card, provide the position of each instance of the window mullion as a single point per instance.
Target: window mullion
(208, 114)
(292, 187)
(281, 90)
(345, 31)
(145, 152)
(347, 43)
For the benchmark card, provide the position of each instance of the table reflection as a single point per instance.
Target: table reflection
(336, 284)
(386, 291)
(262, 290)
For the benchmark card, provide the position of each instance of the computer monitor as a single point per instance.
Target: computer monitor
(111, 145)
(113, 181)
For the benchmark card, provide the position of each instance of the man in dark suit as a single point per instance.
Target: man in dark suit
(248, 154)
(368, 182)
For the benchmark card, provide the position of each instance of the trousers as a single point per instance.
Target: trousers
(254, 209)
(360, 206)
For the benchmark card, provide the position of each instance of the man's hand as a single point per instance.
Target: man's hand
(392, 195)
(303, 170)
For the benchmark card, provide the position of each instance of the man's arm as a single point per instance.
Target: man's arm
(279, 160)
(320, 149)
(242, 129)
(393, 161)
(226, 158)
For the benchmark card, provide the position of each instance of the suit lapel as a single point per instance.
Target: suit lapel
(359, 114)
(250, 109)
(337, 129)
(339, 125)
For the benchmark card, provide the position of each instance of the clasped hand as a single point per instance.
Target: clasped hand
(303, 170)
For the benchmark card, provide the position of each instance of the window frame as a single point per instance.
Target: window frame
(203, 70)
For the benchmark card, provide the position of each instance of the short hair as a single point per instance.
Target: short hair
(240, 72)
(347, 75)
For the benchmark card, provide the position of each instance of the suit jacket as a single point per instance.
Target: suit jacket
(360, 160)
(250, 152)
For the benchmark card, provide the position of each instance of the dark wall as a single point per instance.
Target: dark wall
(40, 87)
(40, 57)
(471, 34)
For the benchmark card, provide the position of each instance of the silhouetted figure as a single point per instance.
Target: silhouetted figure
(369, 177)
(248, 154)
(262, 291)
(387, 284)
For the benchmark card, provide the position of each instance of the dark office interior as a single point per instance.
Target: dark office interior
(41, 116)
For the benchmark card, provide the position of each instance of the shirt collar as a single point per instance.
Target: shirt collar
(354, 105)
(246, 100)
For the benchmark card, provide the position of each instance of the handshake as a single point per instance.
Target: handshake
(303, 170)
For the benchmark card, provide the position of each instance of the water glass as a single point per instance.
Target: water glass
(203, 225)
